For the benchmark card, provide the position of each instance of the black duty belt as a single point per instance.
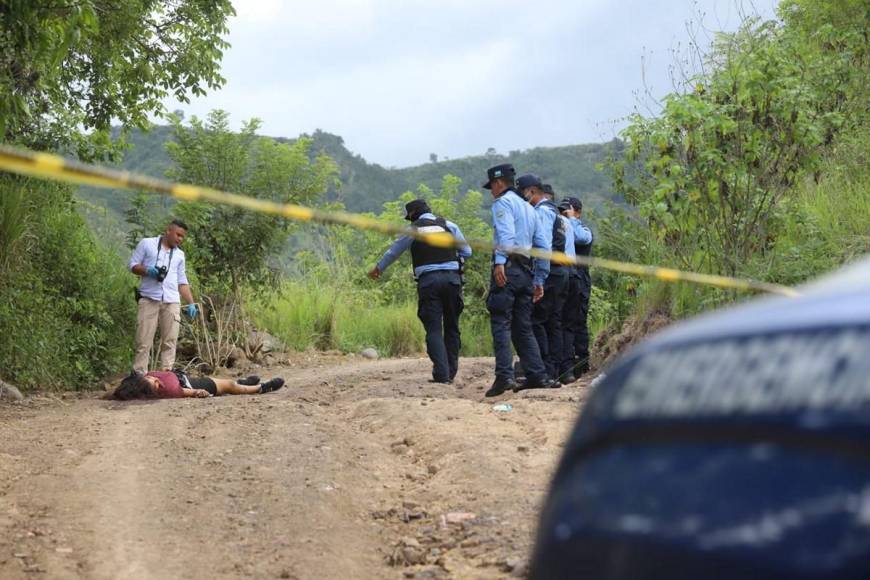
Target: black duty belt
(453, 271)
(519, 260)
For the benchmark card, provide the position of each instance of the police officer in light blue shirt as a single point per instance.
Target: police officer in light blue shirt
(514, 286)
(575, 330)
(547, 313)
(439, 286)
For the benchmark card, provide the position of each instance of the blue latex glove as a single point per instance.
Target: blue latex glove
(151, 272)
(191, 310)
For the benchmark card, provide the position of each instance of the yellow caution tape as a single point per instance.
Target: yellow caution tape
(56, 168)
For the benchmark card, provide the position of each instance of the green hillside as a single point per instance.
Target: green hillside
(366, 186)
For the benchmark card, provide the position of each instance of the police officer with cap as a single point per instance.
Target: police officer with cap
(575, 335)
(547, 314)
(512, 289)
(439, 286)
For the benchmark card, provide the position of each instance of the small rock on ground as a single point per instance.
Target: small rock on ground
(7, 391)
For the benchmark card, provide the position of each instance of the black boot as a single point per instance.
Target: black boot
(567, 378)
(500, 386)
(538, 383)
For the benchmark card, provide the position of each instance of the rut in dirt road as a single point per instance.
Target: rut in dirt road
(349, 472)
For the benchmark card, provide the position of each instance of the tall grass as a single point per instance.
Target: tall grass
(306, 315)
(65, 302)
(13, 220)
(828, 222)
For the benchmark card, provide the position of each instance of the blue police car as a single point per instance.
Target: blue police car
(736, 445)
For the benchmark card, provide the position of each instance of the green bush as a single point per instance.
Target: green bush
(65, 300)
(756, 168)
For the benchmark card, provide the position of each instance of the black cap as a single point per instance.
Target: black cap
(548, 190)
(571, 203)
(416, 208)
(528, 180)
(503, 170)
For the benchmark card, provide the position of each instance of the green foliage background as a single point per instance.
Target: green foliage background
(68, 69)
(756, 167)
(66, 306)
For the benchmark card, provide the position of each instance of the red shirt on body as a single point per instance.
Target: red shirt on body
(171, 387)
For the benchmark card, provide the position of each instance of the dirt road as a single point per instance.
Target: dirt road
(358, 469)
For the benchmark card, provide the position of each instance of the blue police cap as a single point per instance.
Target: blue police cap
(528, 180)
(735, 443)
(548, 190)
(503, 170)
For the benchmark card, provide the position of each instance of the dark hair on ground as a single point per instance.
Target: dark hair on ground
(179, 223)
(133, 387)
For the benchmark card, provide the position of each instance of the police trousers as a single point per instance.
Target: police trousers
(510, 317)
(439, 304)
(575, 329)
(547, 320)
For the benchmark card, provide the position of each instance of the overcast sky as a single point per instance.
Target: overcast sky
(400, 79)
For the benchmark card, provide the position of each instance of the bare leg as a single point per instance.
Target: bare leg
(231, 387)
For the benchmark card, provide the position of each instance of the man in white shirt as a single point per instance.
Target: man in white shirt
(160, 263)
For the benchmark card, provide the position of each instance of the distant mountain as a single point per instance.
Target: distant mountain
(570, 169)
(366, 186)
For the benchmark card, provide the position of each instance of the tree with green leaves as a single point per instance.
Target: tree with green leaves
(230, 248)
(710, 174)
(71, 68)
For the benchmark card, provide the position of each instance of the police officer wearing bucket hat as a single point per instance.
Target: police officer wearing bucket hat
(514, 285)
(439, 286)
(575, 330)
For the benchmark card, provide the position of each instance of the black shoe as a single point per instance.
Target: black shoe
(249, 381)
(535, 384)
(272, 385)
(567, 378)
(500, 386)
(544, 383)
(581, 366)
(445, 382)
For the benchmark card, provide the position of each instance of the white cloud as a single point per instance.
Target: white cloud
(399, 79)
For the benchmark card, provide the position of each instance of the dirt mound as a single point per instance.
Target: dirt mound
(611, 342)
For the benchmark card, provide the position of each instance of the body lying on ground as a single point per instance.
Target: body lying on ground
(176, 384)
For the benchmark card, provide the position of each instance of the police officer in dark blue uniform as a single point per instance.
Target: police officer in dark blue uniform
(547, 312)
(512, 290)
(575, 335)
(439, 286)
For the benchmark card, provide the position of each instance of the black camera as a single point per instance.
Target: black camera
(161, 272)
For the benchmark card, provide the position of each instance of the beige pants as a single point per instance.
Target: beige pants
(153, 315)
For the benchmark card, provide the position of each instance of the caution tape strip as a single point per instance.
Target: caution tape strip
(56, 168)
